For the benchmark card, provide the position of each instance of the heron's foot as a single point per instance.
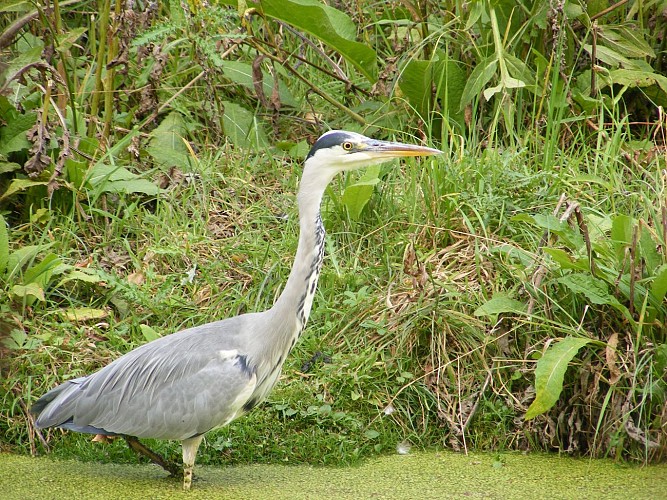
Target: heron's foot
(173, 469)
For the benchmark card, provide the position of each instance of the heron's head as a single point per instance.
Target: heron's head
(339, 150)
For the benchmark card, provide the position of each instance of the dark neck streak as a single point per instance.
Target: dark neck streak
(291, 310)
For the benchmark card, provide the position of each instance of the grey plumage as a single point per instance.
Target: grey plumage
(188, 383)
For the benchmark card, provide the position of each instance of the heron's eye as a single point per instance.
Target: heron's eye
(347, 146)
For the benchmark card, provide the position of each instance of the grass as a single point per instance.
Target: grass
(408, 351)
(393, 312)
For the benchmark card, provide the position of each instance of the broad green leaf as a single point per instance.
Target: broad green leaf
(41, 273)
(21, 256)
(629, 42)
(7, 167)
(594, 289)
(132, 186)
(13, 135)
(476, 11)
(25, 58)
(550, 373)
(65, 41)
(565, 260)
(166, 144)
(18, 185)
(416, 83)
(617, 60)
(15, 6)
(634, 78)
(118, 179)
(621, 234)
(330, 25)
(80, 275)
(357, 195)
(659, 285)
(419, 78)
(81, 314)
(242, 128)
(148, 333)
(547, 222)
(176, 13)
(648, 250)
(29, 292)
(478, 79)
(371, 434)
(241, 74)
(500, 303)
(4, 246)
(517, 68)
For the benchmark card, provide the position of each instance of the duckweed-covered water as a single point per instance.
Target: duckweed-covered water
(424, 475)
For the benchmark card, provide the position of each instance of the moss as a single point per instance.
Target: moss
(427, 475)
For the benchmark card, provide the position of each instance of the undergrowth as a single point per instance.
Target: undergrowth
(148, 163)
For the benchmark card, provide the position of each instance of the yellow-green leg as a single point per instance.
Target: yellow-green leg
(190, 447)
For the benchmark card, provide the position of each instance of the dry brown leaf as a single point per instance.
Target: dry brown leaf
(611, 356)
(137, 278)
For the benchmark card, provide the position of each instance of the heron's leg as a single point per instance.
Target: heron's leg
(190, 447)
(144, 450)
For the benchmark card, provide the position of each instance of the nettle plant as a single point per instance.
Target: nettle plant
(605, 275)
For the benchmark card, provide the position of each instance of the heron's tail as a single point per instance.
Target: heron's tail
(56, 409)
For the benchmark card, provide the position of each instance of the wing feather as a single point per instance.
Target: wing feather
(175, 387)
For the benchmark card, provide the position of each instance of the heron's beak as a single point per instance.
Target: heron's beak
(387, 149)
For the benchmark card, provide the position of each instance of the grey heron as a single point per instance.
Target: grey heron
(181, 386)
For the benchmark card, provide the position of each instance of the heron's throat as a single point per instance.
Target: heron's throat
(295, 302)
(314, 261)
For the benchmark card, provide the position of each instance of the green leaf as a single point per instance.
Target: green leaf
(241, 74)
(594, 289)
(4, 245)
(166, 145)
(478, 79)
(357, 195)
(371, 434)
(242, 128)
(565, 260)
(7, 167)
(629, 42)
(659, 285)
(419, 78)
(616, 59)
(330, 25)
(82, 275)
(20, 257)
(18, 185)
(621, 234)
(520, 70)
(81, 314)
(30, 292)
(65, 41)
(134, 186)
(550, 373)
(15, 6)
(148, 333)
(648, 250)
(500, 303)
(41, 273)
(13, 135)
(635, 78)
(117, 179)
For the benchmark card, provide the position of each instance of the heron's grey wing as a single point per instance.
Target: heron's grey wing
(175, 387)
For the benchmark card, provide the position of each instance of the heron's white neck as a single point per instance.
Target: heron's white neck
(293, 306)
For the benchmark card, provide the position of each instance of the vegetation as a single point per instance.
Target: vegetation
(508, 295)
